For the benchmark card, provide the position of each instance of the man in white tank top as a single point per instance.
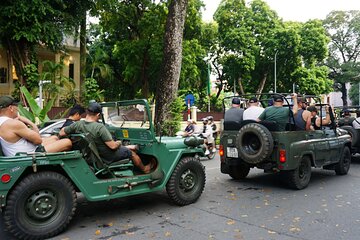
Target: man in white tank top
(19, 134)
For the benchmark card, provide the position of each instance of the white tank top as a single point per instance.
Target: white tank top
(10, 149)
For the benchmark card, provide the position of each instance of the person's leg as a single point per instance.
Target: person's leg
(207, 152)
(126, 152)
(138, 163)
(61, 145)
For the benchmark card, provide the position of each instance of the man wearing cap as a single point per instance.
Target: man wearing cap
(347, 120)
(19, 134)
(207, 134)
(235, 113)
(278, 113)
(189, 130)
(74, 115)
(253, 111)
(303, 117)
(109, 150)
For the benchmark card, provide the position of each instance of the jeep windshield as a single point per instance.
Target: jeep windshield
(130, 115)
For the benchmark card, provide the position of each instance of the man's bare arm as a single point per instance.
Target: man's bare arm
(295, 104)
(113, 144)
(28, 123)
(21, 130)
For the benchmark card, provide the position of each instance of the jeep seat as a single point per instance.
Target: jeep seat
(232, 125)
(86, 145)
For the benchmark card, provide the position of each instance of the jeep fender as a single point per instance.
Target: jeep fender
(310, 154)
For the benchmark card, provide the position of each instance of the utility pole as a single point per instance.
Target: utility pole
(275, 71)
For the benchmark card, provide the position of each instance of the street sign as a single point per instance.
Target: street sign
(189, 99)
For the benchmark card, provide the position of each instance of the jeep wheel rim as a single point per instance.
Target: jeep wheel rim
(41, 205)
(303, 170)
(187, 180)
(251, 143)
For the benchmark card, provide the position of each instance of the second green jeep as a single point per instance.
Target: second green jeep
(291, 153)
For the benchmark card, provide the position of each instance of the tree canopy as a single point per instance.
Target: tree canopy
(252, 37)
(343, 27)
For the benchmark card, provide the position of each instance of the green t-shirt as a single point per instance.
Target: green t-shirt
(278, 114)
(98, 132)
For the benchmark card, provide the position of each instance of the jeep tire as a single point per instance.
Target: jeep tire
(300, 177)
(239, 172)
(255, 143)
(187, 181)
(343, 166)
(40, 206)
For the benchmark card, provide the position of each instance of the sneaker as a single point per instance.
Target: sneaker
(207, 152)
(214, 150)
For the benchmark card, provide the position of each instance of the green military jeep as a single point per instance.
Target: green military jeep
(38, 190)
(346, 123)
(248, 144)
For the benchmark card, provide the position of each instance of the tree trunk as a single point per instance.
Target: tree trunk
(168, 83)
(262, 83)
(20, 58)
(82, 50)
(144, 75)
(344, 94)
(241, 87)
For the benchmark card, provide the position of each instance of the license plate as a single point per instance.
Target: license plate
(232, 152)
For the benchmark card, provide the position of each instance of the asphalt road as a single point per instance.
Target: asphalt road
(260, 207)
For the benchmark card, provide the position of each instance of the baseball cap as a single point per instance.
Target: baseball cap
(235, 101)
(94, 107)
(253, 100)
(6, 101)
(277, 98)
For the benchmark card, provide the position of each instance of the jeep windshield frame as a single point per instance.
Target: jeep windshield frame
(129, 121)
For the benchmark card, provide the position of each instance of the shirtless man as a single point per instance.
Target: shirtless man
(19, 134)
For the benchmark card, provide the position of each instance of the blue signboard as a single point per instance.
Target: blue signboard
(190, 98)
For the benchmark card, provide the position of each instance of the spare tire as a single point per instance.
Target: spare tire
(255, 143)
(354, 133)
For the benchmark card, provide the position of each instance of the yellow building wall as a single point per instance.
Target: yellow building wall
(72, 56)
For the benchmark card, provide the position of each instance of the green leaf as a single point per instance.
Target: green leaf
(34, 107)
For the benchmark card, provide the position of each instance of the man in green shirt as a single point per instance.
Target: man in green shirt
(109, 150)
(278, 113)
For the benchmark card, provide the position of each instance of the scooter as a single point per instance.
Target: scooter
(210, 147)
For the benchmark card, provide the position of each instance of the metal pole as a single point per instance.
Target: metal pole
(275, 71)
(40, 94)
(41, 83)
